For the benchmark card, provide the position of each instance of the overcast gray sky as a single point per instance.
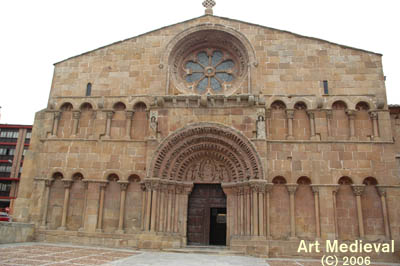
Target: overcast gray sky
(37, 34)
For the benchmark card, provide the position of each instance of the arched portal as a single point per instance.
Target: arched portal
(206, 157)
(206, 153)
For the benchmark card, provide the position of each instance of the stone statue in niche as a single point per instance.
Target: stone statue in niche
(153, 124)
(260, 124)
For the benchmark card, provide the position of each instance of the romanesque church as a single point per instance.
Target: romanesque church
(215, 131)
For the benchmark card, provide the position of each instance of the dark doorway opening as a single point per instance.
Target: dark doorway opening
(218, 226)
(206, 215)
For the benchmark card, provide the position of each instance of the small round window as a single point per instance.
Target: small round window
(209, 71)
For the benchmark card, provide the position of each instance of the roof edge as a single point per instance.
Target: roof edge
(226, 18)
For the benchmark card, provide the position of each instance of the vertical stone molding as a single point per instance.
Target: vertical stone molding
(47, 183)
(242, 230)
(75, 116)
(124, 187)
(292, 190)
(311, 116)
(247, 192)
(230, 193)
(109, 116)
(170, 208)
(352, 115)
(334, 200)
(329, 123)
(267, 199)
(268, 121)
(129, 116)
(56, 120)
(315, 190)
(375, 129)
(382, 194)
(101, 207)
(67, 189)
(290, 116)
(82, 228)
(358, 191)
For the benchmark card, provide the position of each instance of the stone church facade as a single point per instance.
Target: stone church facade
(215, 131)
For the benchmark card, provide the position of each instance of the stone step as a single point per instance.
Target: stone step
(213, 250)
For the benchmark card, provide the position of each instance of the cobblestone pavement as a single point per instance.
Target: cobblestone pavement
(72, 255)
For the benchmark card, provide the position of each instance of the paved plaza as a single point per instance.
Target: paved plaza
(72, 255)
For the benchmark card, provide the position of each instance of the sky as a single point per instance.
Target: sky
(37, 34)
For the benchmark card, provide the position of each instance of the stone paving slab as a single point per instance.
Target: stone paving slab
(72, 255)
(58, 255)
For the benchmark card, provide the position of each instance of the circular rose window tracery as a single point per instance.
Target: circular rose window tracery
(208, 62)
(209, 70)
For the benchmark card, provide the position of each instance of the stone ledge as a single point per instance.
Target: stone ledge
(16, 232)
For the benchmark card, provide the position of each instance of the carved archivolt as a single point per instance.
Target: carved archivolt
(206, 152)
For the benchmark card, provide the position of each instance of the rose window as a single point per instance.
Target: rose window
(209, 71)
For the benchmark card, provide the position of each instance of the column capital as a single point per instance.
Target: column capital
(291, 188)
(358, 189)
(48, 182)
(103, 185)
(76, 114)
(67, 183)
(129, 114)
(110, 114)
(57, 115)
(311, 114)
(381, 191)
(351, 114)
(328, 114)
(373, 115)
(123, 185)
(315, 189)
(289, 113)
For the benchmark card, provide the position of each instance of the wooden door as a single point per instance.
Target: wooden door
(201, 200)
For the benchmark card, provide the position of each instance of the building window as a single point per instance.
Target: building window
(28, 135)
(9, 134)
(209, 70)
(89, 89)
(326, 90)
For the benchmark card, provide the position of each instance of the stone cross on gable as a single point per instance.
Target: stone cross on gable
(209, 4)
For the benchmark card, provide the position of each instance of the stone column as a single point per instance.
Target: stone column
(109, 116)
(86, 186)
(382, 194)
(334, 197)
(101, 207)
(230, 205)
(292, 190)
(242, 222)
(178, 192)
(129, 116)
(315, 190)
(248, 210)
(163, 208)
(170, 209)
(261, 215)
(124, 187)
(311, 116)
(186, 192)
(67, 189)
(75, 116)
(254, 218)
(329, 123)
(358, 190)
(57, 116)
(154, 196)
(47, 183)
(375, 129)
(290, 115)
(352, 115)
(268, 189)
